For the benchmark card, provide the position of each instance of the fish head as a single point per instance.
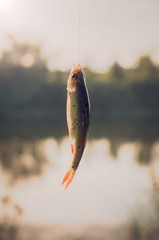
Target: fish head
(76, 76)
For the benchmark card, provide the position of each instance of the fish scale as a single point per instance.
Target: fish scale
(77, 118)
(75, 106)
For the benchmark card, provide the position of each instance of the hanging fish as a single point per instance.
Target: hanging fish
(78, 110)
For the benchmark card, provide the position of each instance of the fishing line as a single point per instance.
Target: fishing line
(79, 29)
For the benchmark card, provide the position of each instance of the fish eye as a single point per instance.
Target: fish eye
(74, 76)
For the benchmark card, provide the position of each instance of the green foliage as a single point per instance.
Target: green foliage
(30, 93)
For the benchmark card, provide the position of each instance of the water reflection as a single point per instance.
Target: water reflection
(10, 217)
(21, 159)
(102, 178)
(114, 181)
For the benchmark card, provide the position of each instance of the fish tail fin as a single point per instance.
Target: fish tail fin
(68, 177)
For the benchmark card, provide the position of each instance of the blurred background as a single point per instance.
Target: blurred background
(115, 193)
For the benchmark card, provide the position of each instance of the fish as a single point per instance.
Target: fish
(78, 118)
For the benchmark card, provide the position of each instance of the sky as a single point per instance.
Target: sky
(111, 30)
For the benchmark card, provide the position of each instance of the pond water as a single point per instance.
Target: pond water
(115, 181)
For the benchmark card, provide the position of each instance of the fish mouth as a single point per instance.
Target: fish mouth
(76, 67)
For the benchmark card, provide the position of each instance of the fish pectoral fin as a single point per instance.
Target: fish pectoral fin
(70, 89)
(68, 177)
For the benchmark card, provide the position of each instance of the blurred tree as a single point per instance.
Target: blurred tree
(22, 71)
(116, 73)
(146, 70)
(22, 54)
(120, 98)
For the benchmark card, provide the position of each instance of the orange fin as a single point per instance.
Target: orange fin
(68, 177)
(72, 148)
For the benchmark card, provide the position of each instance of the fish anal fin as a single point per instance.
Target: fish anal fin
(72, 148)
